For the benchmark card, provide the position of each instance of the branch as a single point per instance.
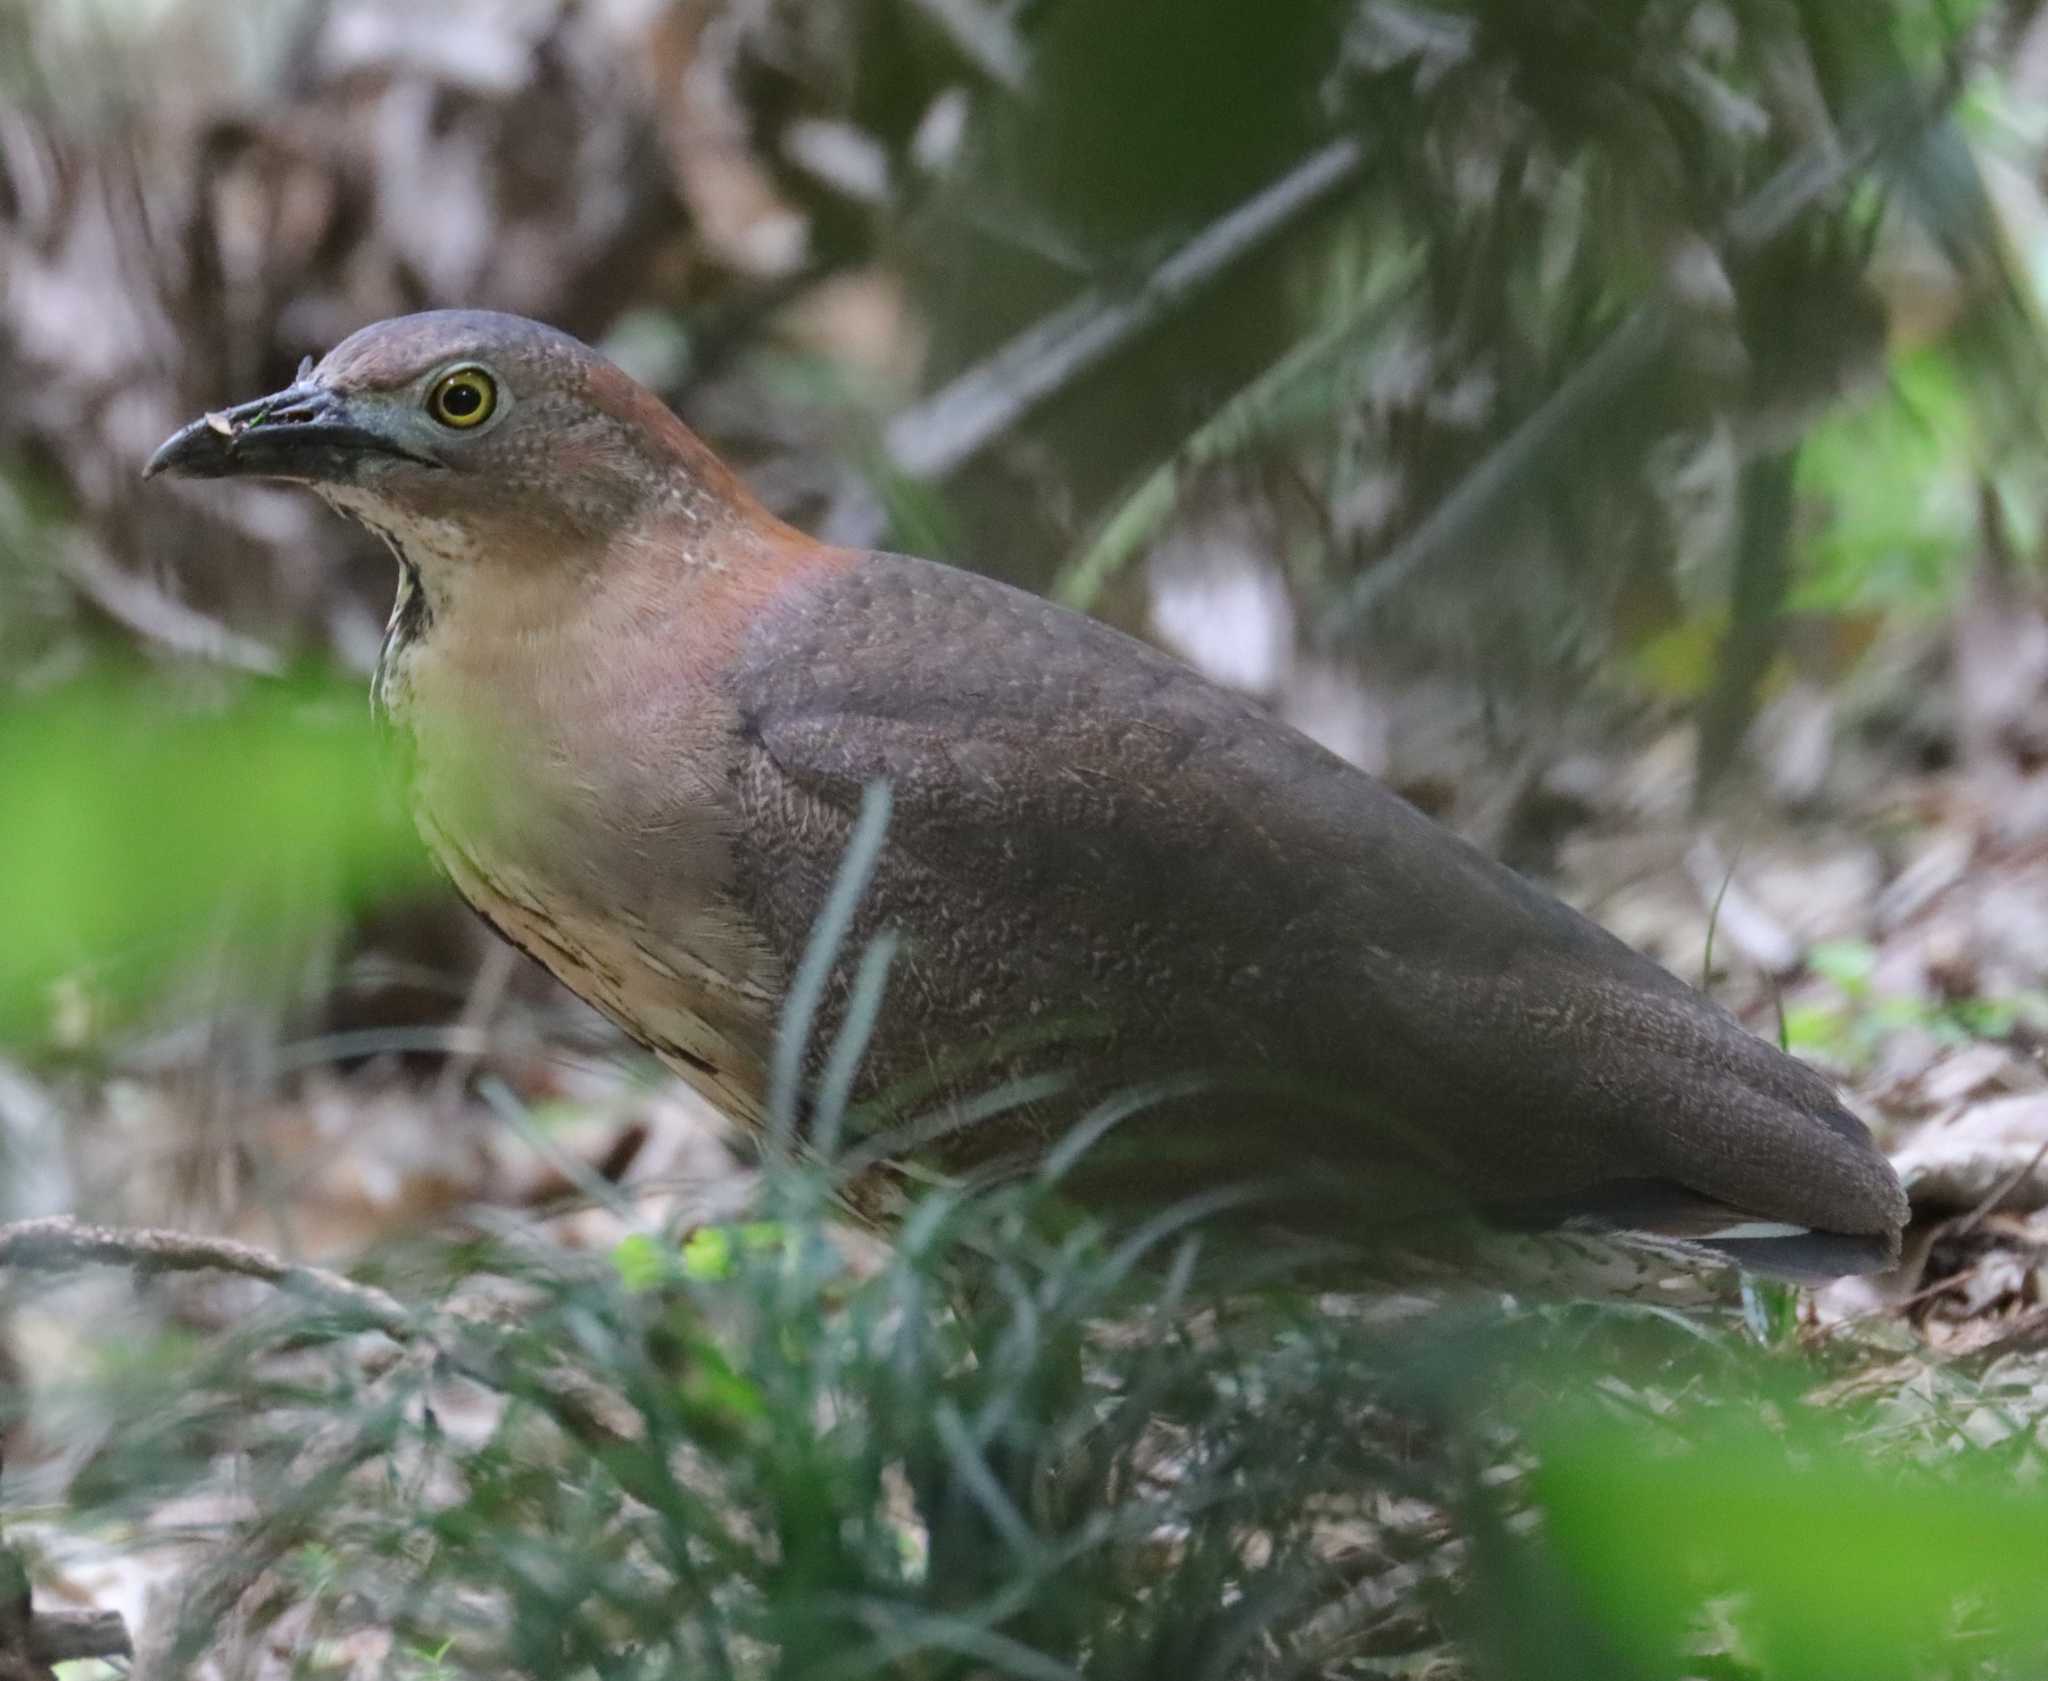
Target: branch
(66, 1636)
(136, 604)
(32, 1642)
(60, 1242)
(928, 441)
(985, 37)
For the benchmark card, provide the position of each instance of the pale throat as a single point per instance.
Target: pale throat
(441, 554)
(437, 558)
(539, 841)
(477, 652)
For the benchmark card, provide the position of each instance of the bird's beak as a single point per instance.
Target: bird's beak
(305, 432)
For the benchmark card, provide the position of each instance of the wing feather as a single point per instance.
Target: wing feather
(1082, 821)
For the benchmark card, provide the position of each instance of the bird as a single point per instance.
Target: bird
(643, 722)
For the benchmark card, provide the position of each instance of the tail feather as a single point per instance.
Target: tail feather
(1667, 1214)
(1810, 1257)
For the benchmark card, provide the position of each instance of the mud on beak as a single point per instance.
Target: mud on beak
(305, 433)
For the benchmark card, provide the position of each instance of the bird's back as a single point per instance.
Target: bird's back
(1089, 836)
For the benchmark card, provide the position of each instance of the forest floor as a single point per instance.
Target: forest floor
(1894, 939)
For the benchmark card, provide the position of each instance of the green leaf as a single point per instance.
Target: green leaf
(1895, 485)
(1841, 1566)
(644, 1264)
(1848, 963)
(143, 826)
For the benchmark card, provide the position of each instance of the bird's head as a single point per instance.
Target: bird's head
(462, 433)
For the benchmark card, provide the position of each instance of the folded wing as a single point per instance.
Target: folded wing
(1082, 823)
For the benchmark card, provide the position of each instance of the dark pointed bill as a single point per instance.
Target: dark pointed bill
(303, 432)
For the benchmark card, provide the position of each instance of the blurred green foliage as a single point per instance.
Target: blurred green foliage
(1893, 494)
(1016, 1443)
(1231, 96)
(1832, 1561)
(1849, 1030)
(1644, 248)
(150, 819)
(1013, 1445)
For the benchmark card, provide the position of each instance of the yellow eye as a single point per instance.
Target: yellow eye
(463, 399)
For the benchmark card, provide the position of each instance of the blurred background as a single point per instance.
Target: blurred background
(1620, 425)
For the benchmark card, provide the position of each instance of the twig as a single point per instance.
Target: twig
(952, 424)
(32, 1641)
(486, 993)
(2029, 1331)
(580, 1176)
(60, 1242)
(1593, 388)
(1926, 1293)
(1998, 1193)
(66, 1636)
(138, 605)
(984, 36)
(1367, 1603)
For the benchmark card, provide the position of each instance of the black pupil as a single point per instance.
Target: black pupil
(461, 400)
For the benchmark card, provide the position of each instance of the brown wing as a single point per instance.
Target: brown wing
(1081, 821)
